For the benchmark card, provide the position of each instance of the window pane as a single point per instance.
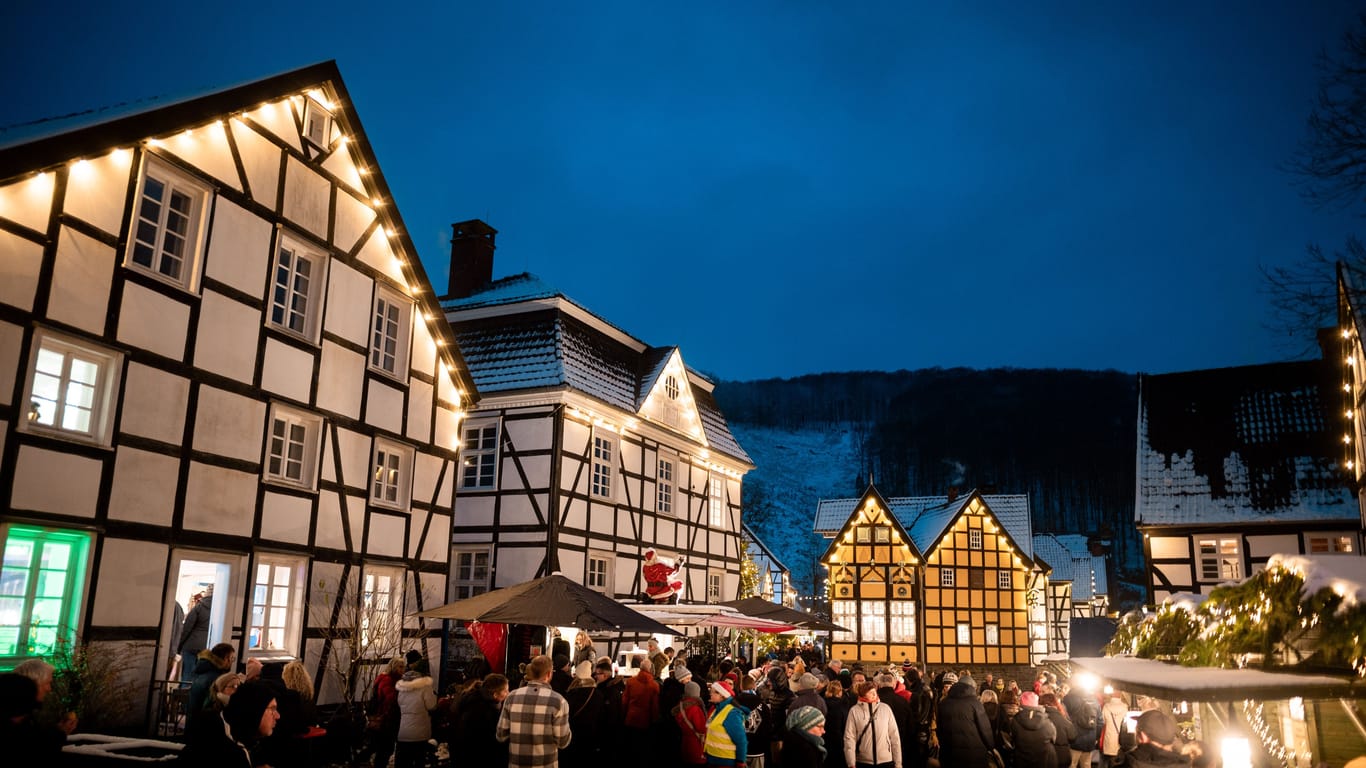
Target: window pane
(18, 553)
(50, 362)
(55, 555)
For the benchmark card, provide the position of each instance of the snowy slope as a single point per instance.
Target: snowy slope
(794, 469)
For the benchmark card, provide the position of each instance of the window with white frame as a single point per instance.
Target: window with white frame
(292, 446)
(391, 481)
(317, 124)
(296, 288)
(71, 388)
(599, 575)
(664, 486)
(993, 634)
(716, 500)
(714, 581)
(479, 455)
(469, 573)
(845, 614)
(964, 634)
(1220, 559)
(391, 322)
(1003, 580)
(604, 456)
(41, 583)
(873, 622)
(381, 607)
(1329, 543)
(276, 606)
(902, 621)
(167, 233)
(882, 534)
(946, 577)
(974, 538)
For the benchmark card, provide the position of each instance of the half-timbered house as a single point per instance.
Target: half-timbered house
(1235, 465)
(222, 369)
(1351, 358)
(774, 579)
(936, 579)
(588, 448)
(1072, 561)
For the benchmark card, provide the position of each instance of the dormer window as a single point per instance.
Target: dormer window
(317, 124)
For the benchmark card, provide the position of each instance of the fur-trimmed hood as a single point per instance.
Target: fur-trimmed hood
(415, 684)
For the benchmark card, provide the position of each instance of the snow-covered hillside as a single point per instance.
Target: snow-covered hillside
(794, 470)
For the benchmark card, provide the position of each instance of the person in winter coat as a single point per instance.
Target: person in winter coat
(1112, 719)
(250, 717)
(584, 650)
(759, 725)
(208, 667)
(416, 699)
(690, 715)
(808, 695)
(1083, 712)
(836, 717)
(1032, 734)
(901, 711)
(612, 689)
(1067, 731)
(26, 741)
(922, 716)
(476, 723)
(870, 733)
(585, 722)
(640, 710)
(726, 742)
(383, 708)
(194, 634)
(805, 744)
(1156, 732)
(964, 731)
(779, 700)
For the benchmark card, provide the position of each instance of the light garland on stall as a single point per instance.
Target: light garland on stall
(1254, 713)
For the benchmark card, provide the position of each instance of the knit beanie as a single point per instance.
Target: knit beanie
(583, 670)
(950, 678)
(777, 677)
(804, 718)
(692, 689)
(245, 709)
(807, 682)
(682, 673)
(722, 687)
(1029, 699)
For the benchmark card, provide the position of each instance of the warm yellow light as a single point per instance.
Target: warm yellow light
(1346, 334)
(362, 170)
(80, 169)
(154, 143)
(121, 154)
(378, 203)
(389, 232)
(343, 139)
(1351, 360)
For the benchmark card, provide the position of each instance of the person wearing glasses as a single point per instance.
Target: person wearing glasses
(249, 717)
(805, 743)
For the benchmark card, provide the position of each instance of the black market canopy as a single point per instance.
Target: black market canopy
(1172, 682)
(550, 601)
(765, 609)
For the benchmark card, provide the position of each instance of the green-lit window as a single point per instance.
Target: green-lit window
(40, 590)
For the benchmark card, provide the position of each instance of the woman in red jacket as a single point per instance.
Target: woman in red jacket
(691, 716)
(640, 710)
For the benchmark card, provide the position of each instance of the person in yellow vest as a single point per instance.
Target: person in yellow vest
(726, 742)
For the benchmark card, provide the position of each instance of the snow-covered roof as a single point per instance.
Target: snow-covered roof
(764, 551)
(1173, 682)
(926, 517)
(1072, 561)
(542, 346)
(1241, 445)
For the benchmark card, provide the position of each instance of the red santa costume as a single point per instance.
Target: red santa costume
(662, 584)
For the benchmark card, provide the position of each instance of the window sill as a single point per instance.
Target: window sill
(65, 436)
(280, 482)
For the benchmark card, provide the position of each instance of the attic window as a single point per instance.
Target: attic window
(975, 538)
(671, 387)
(863, 535)
(882, 534)
(317, 124)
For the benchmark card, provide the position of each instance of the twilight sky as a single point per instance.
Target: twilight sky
(792, 187)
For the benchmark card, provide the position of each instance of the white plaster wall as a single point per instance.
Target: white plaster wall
(602, 516)
(424, 352)
(144, 487)
(287, 371)
(516, 565)
(206, 148)
(286, 518)
(340, 380)
(665, 529)
(11, 343)
(277, 118)
(630, 457)
(474, 510)
(446, 389)
(1168, 547)
(438, 544)
(577, 517)
(153, 322)
(379, 254)
(417, 519)
(419, 411)
(330, 533)
(261, 159)
(531, 434)
(154, 404)
(307, 198)
(387, 536)
(516, 509)
(220, 500)
(20, 262)
(349, 295)
(340, 164)
(426, 468)
(130, 573)
(384, 406)
(570, 471)
(445, 496)
(227, 337)
(575, 438)
(1266, 546)
(80, 281)
(51, 481)
(228, 424)
(29, 202)
(97, 188)
(239, 248)
(354, 449)
(1177, 574)
(447, 428)
(353, 217)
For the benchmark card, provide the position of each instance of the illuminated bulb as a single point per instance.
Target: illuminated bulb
(389, 232)
(155, 143)
(80, 169)
(343, 139)
(1346, 334)
(187, 134)
(1346, 387)
(121, 154)
(363, 171)
(1346, 438)
(1351, 361)
(378, 203)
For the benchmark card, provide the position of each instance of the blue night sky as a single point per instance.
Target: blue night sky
(798, 187)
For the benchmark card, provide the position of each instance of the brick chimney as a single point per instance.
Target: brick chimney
(471, 258)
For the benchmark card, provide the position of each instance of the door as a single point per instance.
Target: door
(195, 576)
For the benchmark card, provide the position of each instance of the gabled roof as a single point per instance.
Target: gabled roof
(547, 341)
(1236, 446)
(1072, 561)
(748, 533)
(849, 522)
(44, 144)
(926, 518)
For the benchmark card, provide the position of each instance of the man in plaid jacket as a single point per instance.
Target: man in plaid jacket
(535, 720)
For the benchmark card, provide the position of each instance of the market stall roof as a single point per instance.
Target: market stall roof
(1173, 682)
(767, 609)
(719, 616)
(551, 601)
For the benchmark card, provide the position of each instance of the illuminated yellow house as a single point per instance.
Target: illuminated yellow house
(936, 579)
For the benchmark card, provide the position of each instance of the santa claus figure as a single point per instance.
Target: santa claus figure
(662, 582)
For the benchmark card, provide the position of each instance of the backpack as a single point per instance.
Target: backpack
(1088, 717)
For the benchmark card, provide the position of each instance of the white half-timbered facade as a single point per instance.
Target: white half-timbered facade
(774, 578)
(587, 448)
(1236, 465)
(221, 366)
